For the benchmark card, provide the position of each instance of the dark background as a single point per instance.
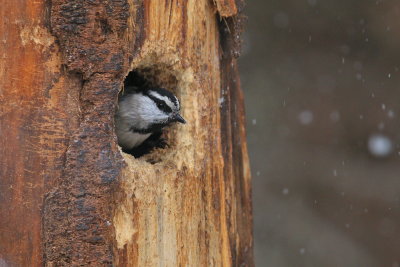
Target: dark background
(321, 81)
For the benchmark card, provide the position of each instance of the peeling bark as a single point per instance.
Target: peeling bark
(229, 8)
(69, 195)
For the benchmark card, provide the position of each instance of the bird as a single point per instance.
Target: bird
(140, 117)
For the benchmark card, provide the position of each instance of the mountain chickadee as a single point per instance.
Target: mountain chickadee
(140, 117)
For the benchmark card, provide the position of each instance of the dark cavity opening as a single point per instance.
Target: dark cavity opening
(158, 142)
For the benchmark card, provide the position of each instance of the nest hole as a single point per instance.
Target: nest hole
(148, 78)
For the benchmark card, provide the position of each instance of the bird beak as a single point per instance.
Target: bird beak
(179, 118)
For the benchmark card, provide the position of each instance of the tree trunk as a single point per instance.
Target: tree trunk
(68, 195)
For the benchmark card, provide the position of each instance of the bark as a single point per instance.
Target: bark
(68, 195)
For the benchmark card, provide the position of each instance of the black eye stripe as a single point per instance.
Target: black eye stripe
(160, 104)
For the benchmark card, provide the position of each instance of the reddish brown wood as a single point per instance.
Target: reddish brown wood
(235, 148)
(229, 8)
(226, 8)
(68, 196)
(34, 126)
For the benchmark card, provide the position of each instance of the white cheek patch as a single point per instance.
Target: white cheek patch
(141, 111)
(149, 111)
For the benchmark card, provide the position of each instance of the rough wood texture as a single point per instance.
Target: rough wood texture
(69, 196)
(226, 8)
(229, 8)
(35, 126)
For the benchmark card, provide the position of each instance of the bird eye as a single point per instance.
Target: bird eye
(161, 105)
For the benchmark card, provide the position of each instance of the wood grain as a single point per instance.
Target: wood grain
(69, 195)
(34, 126)
(226, 8)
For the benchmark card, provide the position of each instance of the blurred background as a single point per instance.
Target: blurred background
(322, 90)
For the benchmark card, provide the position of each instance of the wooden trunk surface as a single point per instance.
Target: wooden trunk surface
(68, 195)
